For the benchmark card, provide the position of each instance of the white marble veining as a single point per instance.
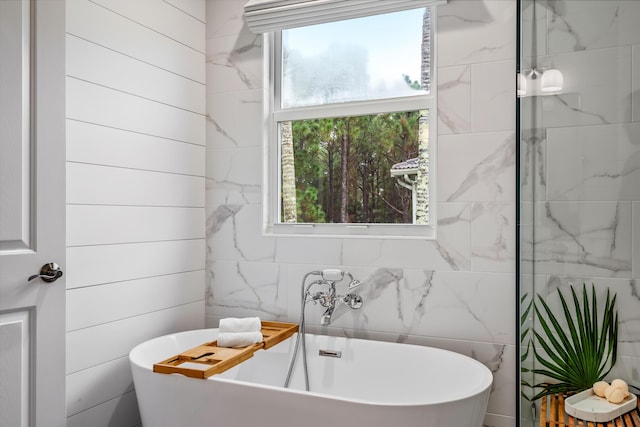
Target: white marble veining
(228, 114)
(234, 233)
(501, 360)
(454, 100)
(594, 162)
(533, 165)
(253, 288)
(240, 166)
(484, 173)
(526, 226)
(232, 193)
(493, 237)
(419, 302)
(597, 88)
(440, 255)
(224, 18)
(572, 27)
(583, 238)
(454, 234)
(471, 31)
(493, 89)
(234, 63)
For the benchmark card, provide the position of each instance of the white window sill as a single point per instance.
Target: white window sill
(366, 231)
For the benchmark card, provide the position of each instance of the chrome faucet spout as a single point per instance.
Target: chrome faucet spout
(326, 316)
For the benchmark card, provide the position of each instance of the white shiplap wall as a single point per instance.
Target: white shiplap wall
(135, 191)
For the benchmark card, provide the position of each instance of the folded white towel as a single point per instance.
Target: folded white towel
(235, 324)
(238, 339)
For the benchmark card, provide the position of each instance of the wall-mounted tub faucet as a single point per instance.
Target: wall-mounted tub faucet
(329, 298)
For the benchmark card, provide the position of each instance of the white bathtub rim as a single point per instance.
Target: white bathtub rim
(370, 402)
(482, 388)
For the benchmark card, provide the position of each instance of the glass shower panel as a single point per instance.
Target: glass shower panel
(530, 182)
(580, 161)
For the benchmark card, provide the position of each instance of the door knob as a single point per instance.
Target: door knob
(49, 272)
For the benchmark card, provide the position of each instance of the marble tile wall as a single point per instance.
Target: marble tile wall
(456, 292)
(581, 159)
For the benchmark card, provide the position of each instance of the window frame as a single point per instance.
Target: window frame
(274, 114)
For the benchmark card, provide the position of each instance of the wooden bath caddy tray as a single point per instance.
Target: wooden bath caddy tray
(552, 414)
(209, 359)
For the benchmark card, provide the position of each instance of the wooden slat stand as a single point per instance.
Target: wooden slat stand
(209, 359)
(552, 414)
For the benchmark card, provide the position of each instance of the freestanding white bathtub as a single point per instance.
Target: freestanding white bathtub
(372, 384)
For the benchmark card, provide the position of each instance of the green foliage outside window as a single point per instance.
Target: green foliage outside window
(370, 145)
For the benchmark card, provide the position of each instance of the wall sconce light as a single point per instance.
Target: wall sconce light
(537, 81)
(552, 80)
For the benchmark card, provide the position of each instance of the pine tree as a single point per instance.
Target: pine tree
(289, 210)
(422, 180)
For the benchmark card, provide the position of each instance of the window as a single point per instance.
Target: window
(350, 127)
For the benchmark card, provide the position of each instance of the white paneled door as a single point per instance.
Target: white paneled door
(32, 213)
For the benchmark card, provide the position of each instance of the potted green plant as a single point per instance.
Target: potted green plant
(572, 355)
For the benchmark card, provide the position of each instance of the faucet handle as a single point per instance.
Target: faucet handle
(326, 299)
(322, 297)
(309, 297)
(353, 301)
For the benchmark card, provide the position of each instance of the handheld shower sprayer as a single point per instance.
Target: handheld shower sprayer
(354, 283)
(332, 274)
